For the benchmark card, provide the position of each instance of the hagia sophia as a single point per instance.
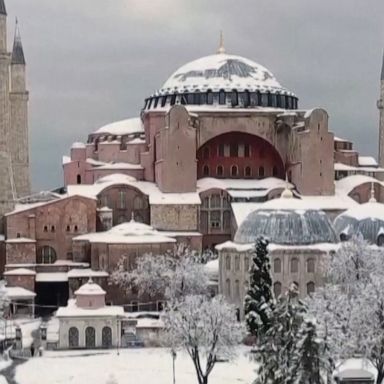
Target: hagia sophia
(220, 154)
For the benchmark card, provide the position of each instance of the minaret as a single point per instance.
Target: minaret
(18, 135)
(380, 106)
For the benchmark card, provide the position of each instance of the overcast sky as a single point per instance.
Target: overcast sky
(91, 62)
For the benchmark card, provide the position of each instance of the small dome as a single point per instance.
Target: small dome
(123, 127)
(90, 288)
(365, 219)
(287, 227)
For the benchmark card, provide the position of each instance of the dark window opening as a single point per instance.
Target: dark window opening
(221, 97)
(173, 99)
(156, 102)
(247, 151)
(261, 172)
(221, 150)
(274, 171)
(163, 101)
(78, 179)
(206, 153)
(234, 98)
(248, 171)
(209, 97)
(234, 170)
(219, 170)
(206, 170)
(234, 150)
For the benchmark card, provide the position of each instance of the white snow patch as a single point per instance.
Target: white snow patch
(123, 127)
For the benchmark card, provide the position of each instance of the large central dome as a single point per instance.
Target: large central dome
(223, 80)
(222, 72)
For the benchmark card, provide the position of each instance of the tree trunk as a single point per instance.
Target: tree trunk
(380, 376)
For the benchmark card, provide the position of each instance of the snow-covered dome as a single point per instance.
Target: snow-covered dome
(224, 80)
(115, 178)
(123, 127)
(365, 219)
(287, 227)
(90, 288)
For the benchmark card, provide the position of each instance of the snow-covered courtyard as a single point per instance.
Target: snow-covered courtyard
(139, 366)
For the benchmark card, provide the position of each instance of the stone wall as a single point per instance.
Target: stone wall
(176, 217)
(21, 253)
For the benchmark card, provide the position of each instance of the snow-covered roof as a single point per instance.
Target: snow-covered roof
(356, 368)
(20, 240)
(47, 277)
(20, 271)
(120, 166)
(123, 127)
(237, 185)
(66, 160)
(87, 272)
(72, 310)
(347, 184)
(78, 145)
(90, 289)
(156, 196)
(15, 293)
(222, 71)
(130, 232)
(367, 161)
(350, 168)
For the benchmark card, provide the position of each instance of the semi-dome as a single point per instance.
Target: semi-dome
(287, 227)
(365, 219)
(224, 80)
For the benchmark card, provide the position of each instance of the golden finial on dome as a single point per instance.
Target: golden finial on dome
(221, 49)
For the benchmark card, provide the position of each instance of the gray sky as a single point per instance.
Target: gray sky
(91, 62)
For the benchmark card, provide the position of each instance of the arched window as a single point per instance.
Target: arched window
(106, 337)
(209, 97)
(247, 150)
(237, 289)
(234, 98)
(46, 255)
(78, 179)
(228, 262)
(90, 337)
(206, 170)
(380, 240)
(261, 171)
(73, 337)
(156, 102)
(228, 287)
(279, 103)
(248, 171)
(277, 289)
(234, 170)
(215, 201)
(277, 265)
(294, 265)
(237, 263)
(221, 97)
(163, 101)
(311, 266)
(310, 287)
(173, 99)
(246, 263)
(196, 98)
(247, 99)
(219, 170)
(274, 171)
(206, 153)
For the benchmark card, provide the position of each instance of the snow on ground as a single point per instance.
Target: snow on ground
(141, 366)
(27, 326)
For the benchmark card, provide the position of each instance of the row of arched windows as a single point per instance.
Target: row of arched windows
(46, 255)
(234, 98)
(234, 171)
(277, 288)
(90, 337)
(294, 265)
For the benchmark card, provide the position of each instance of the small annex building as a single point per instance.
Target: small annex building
(86, 322)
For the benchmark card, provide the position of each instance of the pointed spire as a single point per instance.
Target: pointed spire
(221, 49)
(17, 52)
(3, 10)
(382, 69)
(372, 199)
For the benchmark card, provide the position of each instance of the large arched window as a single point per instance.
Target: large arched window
(277, 265)
(46, 255)
(311, 266)
(106, 337)
(228, 262)
(234, 170)
(221, 97)
(219, 171)
(90, 337)
(294, 265)
(277, 289)
(310, 287)
(73, 337)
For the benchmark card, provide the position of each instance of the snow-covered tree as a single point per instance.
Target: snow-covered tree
(275, 349)
(171, 275)
(307, 360)
(259, 301)
(206, 328)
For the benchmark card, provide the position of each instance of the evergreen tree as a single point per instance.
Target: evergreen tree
(307, 361)
(274, 351)
(259, 301)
